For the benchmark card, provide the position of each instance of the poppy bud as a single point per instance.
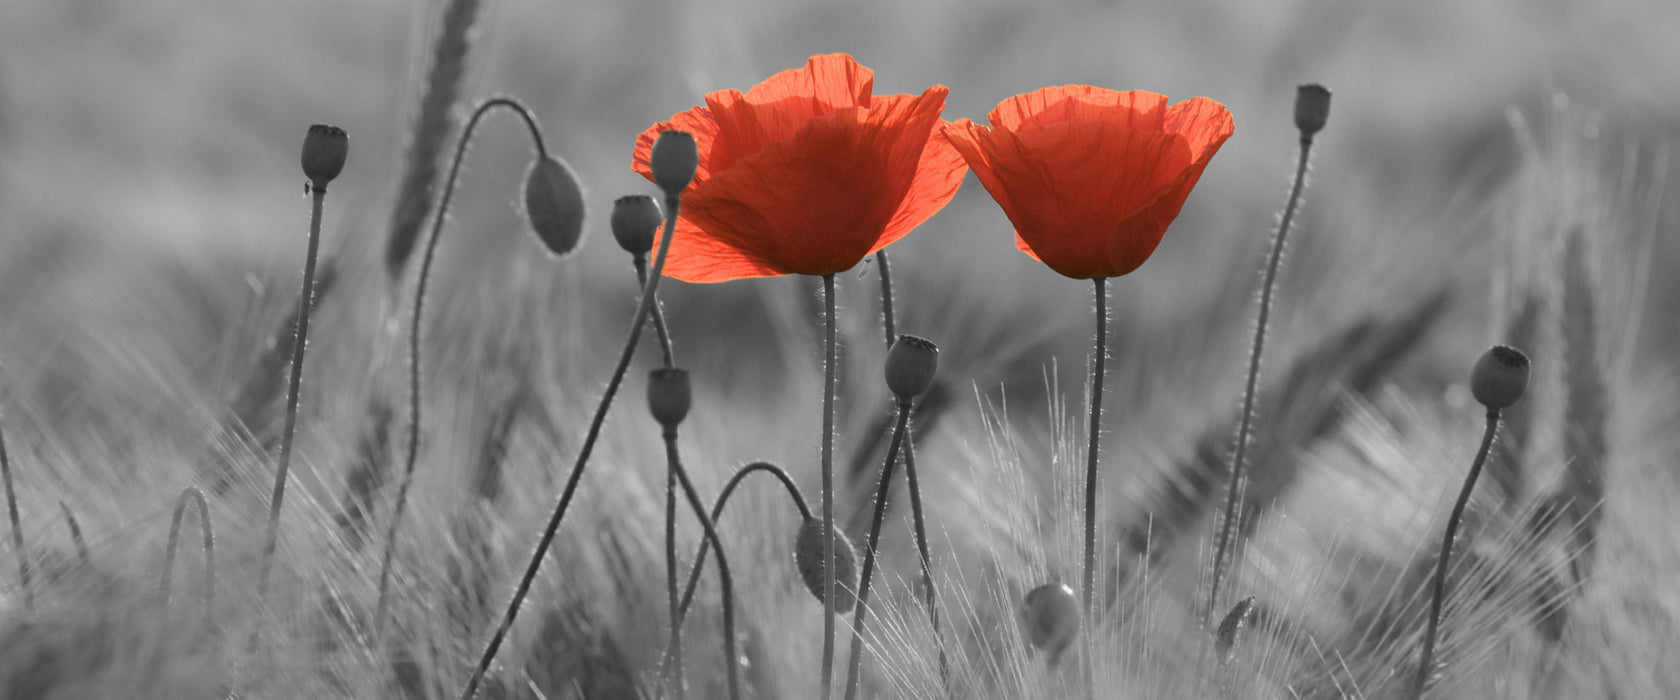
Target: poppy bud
(808, 558)
(554, 205)
(669, 396)
(1312, 108)
(324, 150)
(673, 161)
(1500, 377)
(1049, 617)
(1231, 626)
(911, 364)
(635, 219)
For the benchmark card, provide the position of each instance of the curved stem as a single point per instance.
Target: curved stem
(1239, 477)
(82, 556)
(929, 596)
(829, 360)
(1453, 520)
(669, 355)
(886, 297)
(420, 285)
(717, 517)
(17, 528)
(294, 386)
(861, 612)
(191, 495)
(672, 204)
(731, 663)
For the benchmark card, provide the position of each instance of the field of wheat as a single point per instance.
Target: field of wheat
(198, 509)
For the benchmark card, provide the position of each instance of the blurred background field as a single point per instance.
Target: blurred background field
(152, 222)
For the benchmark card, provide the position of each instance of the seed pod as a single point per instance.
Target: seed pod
(808, 558)
(1500, 377)
(1312, 108)
(554, 205)
(1049, 617)
(1232, 626)
(324, 150)
(673, 161)
(911, 364)
(635, 220)
(669, 396)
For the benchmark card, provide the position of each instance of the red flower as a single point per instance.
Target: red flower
(1091, 177)
(807, 173)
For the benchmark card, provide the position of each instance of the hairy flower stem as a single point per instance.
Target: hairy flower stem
(1238, 482)
(731, 663)
(829, 361)
(288, 432)
(886, 297)
(672, 204)
(17, 529)
(668, 354)
(1440, 593)
(658, 319)
(717, 517)
(929, 597)
(862, 610)
(414, 333)
(1093, 439)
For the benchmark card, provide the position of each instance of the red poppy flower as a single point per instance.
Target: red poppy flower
(1091, 178)
(806, 173)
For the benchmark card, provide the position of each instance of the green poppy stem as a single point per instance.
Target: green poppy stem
(1440, 593)
(886, 296)
(731, 659)
(1094, 440)
(830, 359)
(717, 517)
(861, 612)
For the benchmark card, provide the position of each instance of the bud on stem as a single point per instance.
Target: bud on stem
(325, 149)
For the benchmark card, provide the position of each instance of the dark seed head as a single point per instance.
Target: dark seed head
(554, 205)
(1049, 617)
(325, 149)
(911, 365)
(669, 396)
(1500, 377)
(635, 221)
(673, 161)
(1312, 108)
(808, 558)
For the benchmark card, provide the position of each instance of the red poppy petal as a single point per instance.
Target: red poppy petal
(939, 173)
(825, 83)
(1137, 109)
(965, 137)
(700, 124)
(819, 202)
(1204, 122)
(698, 257)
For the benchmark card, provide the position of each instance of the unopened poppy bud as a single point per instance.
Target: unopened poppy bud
(1312, 108)
(554, 205)
(911, 364)
(808, 558)
(635, 220)
(673, 161)
(1500, 377)
(1049, 617)
(324, 150)
(1231, 627)
(669, 396)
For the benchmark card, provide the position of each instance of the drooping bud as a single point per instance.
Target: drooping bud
(669, 396)
(911, 364)
(1231, 627)
(1500, 377)
(1049, 617)
(635, 220)
(673, 161)
(324, 150)
(808, 558)
(554, 205)
(1312, 108)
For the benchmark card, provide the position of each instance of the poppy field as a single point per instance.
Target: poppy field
(726, 350)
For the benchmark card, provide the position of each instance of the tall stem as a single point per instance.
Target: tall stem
(294, 385)
(17, 527)
(1094, 439)
(1440, 593)
(886, 297)
(1239, 476)
(672, 204)
(676, 611)
(420, 285)
(861, 612)
(829, 360)
(929, 597)
(731, 660)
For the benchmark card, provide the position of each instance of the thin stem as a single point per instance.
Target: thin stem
(191, 495)
(672, 204)
(294, 386)
(929, 596)
(17, 529)
(717, 517)
(829, 361)
(1239, 476)
(1100, 292)
(420, 285)
(677, 610)
(731, 660)
(861, 612)
(886, 296)
(82, 556)
(669, 355)
(1457, 516)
